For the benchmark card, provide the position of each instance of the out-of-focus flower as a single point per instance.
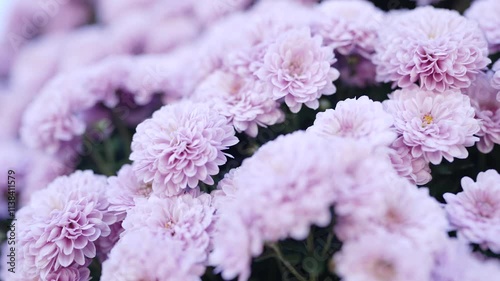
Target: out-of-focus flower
(434, 125)
(381, 257)
(495, 81)
(350, 27)
(484, 100)
(356, 71)
(361, 119)
(436, 48)
(61, 225)
(475, 212)
(179, 146)
(157, 259)
(416, 170)
(244, 101)
(485, 13)
(298, 68)
(187, 217)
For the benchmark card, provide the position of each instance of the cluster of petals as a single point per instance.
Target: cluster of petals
(181, 145)
(485, 13)
(434, 125)
(484, 100)
(415, 169)
(475, 212)
(62, 225)
(361, 119)
(187, 218)
(436, 48)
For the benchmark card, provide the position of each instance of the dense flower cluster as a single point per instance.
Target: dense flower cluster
(228, 132)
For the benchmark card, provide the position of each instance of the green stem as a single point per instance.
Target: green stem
(123, 131)
(329, 240)
(287, 264)
(102, 166)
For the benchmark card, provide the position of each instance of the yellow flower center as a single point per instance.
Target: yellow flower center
(427, 120)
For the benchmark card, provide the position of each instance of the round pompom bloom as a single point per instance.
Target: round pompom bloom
(382, 257)
(455, 261)
(298, 68)
(187, 217)
(179, 146)
(484, 100)
(403, 210)
(485, 13)
(349, 26)
(62, 224)
(437, 48)
(475, 212)
(434, 125)
(416, 170)
(359, 119)
(141, 255)
(124, 189)
(243, 100)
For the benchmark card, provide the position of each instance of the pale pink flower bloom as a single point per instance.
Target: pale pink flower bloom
(485, 13)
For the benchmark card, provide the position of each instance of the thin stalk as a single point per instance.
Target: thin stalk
(329, 240)
(281, 258)
(123, 131)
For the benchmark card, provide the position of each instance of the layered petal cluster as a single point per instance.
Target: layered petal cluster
(298, 68)
(288, 185)
(124, 189)
(484, 100)
(485, 13)
(350, 27)
(142, 255)
(243, 100)
(62, 224)
(434, 125)
(495, 81)
(436, 48)
(475, 212)
(415, 169)
(187, 218)
(361, 119)
(179, 146)
(381, 257)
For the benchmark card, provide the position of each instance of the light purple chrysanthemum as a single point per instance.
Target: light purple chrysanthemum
(485, 13)
(359, 118)
(455, 261)
(484, 100)
(298, 69)
(243, 100)
(356, 71)
(436, 48)
(434, 125)
(382, 257)
(124, 189)
(141, 255)
(475, 212)
(416, 170)
(402, 209)
(350, 27)
(62, 224)
(179, 146)
(187, 217)
(495, 80)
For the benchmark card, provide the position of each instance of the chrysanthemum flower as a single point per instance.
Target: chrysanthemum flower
(359, 118)
(485, 13)
(382, 257)
(475, 212)
(436, 48)
(187, 217)
(484, 100)
(349, 26)
(243, 100)
(298, 68)
(62, 224)
(416, 170)
(179, 146)
(124, 189)
(141, 255)
(495, 81)
(403, 210)
(356, 71)
(434, 125)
